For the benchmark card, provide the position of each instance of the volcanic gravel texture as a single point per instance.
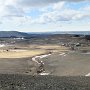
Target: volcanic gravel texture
(26, 82)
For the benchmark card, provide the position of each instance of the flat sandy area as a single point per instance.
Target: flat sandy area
(30, 51)
(20, 53)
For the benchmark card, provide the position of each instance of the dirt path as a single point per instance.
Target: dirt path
(40, 63)
(68, 64)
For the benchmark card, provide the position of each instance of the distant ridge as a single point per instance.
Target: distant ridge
(13, 34)
(16, 34)
(63, 32)
(79, 32)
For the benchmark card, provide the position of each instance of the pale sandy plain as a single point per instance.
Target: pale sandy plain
(30, 51)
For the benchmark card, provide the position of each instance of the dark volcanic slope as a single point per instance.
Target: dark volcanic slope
(12, 34)
(24, 82)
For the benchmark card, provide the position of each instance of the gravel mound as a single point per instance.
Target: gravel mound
(26, 82)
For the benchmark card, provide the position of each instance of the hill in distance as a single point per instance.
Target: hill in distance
(63, 32)
(12, 34)
(16, 34)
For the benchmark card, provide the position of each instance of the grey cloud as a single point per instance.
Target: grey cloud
(16, 9)
(12, 11)
(1, 22)
(67, 15)
(34, 3)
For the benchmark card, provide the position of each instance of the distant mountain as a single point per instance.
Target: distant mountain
(13, 34)
(63, 32)
(16, 34)
(79, 32)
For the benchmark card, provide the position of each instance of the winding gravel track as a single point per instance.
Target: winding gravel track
(68, 64)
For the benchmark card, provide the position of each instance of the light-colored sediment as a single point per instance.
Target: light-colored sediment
(20, 53)
(30, 51)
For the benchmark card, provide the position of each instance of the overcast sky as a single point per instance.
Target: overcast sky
(44, 15)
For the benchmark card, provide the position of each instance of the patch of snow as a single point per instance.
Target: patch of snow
(34, 59)
(19, 38)
(87, 74)
(44, 74)
(62, 54)
(43, 56)
(2, 45)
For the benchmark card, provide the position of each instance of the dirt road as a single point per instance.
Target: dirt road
(68, 64)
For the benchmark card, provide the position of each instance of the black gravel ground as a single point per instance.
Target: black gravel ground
(26, 82)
